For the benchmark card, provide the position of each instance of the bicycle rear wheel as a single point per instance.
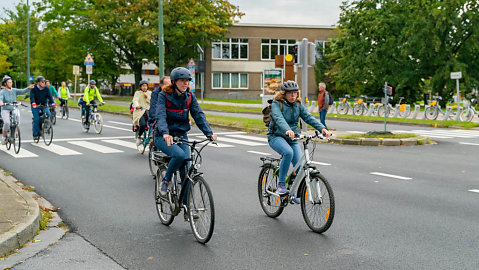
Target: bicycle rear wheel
(98, 122)
(342, 108)
(53, 116)
(268, 181)
(201, 209)
(318, 213)
(16, 139)
(467, 116)
(431, 113)
(357, 109)
(47, 131)
(162, 204)
(67, 112)
(8, 142)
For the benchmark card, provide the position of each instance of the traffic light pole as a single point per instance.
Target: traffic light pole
(161, 59)
(302, 63)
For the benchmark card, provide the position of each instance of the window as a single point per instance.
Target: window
(272, 47)
(232, 48)
(321, 48)
(228, 80)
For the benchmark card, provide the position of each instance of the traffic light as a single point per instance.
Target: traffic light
(295, 53)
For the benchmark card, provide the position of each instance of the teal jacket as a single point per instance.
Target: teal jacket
(288, 119)
(53, 91)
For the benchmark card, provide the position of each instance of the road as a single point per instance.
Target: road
(396, 207)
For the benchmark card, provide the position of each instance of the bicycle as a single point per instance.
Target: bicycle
(344, 106)
(53, 114)
(432, 112)
(46, 127)
(144, 140)
(95, 116)
(199, 210)
(468, 114)
(13, 134)
(317, 198)
(382, 109)
(360, 106)
(64, 109)
(402, 110)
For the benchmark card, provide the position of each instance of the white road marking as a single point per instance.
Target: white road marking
(474, 190)
(120, 123)
(248, 143)
(468, 143)
(219, 133)
(22, 154)
(57, 149)
(113, 127)
(259, 153)
(321, 163)
(131, 145)
(391, 176)
(85, 139)
(96, 147)
(246, 137)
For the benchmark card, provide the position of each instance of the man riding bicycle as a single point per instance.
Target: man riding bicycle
(64, 93)
(88, 100)
(40, 95)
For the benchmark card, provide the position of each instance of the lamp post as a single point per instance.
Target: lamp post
(28, 43)
(161, 60)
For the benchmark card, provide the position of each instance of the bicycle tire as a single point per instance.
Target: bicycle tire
(16, 139)
(53, 116)
(318, 221)
(47, 132)
(98, 122)
(67, 111)
(267, 180)
(8, 142)
(151, 162)
(357, 109)
(201, 203)
(431, 113)
(162, 204)
(467, 116)
(342, 108)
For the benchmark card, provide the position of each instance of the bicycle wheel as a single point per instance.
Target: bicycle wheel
(66, 111)
(268, 181)
(318, 213)
(8, 142)
(357, 109)
(342, 108)
(47, 132)
(53, 117)
(381, 111)
(466, 116)
(201, 209)
(98, 122)
(162, 204)
(16, 139)
(431, 113)
(141, 147)
(151, 162)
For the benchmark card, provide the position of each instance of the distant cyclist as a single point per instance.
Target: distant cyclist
(141, 103)
(286, 110)
(40, 95)
(9, 95)
(89, 99)
(175, 104)
(64, 93)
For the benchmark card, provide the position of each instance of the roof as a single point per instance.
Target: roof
(284, 25)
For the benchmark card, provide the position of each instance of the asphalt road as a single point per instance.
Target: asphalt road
(421, 215)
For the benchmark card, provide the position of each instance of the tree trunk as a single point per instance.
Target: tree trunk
(137, 71)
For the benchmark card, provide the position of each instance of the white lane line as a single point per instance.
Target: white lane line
(131, 145)
(57, 149)
(474, 190)
(391, 176)
(248, 143)
(120, 123)
(321, 163)
(22, 154)
(468, 143)
(91, 127)
(259, 153)
(96, 147)
(246, 137)
(85, 139)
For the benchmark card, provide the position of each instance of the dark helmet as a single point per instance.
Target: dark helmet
(180, 73)
(5, 79)
(47, 81)
(289, 86)
(143, 82)
(92, 82)
(39, 79)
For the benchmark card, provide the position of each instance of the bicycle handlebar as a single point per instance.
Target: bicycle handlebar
(309, 137)
(181, 139)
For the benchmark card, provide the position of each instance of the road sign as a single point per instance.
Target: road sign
(192, 68)
(191, 64)
(456, 75)
(31, 78)
(76, 70)
(89, 69)
(89, 60)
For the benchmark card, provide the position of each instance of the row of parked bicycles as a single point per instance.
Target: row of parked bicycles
(373, 106)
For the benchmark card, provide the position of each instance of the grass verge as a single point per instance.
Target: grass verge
(388, 136)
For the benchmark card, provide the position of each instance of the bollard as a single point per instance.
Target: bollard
(332, 107)
(448, 112)
(417, 109)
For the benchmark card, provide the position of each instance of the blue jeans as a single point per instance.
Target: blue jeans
(36, 119)
(290, 152)
(178, 154)
(322, 117)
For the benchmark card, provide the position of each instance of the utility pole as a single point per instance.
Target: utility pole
(303, 56)
(161, 58)
(28, 43)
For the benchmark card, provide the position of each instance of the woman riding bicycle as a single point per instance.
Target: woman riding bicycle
(286, 110)
(175, 103)
(9, 95)
(141, 103)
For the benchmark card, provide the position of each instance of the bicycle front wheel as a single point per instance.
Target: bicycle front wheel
(201, 209)
(16, 139)
(268, 182)
(431, 113)
(357, 109)
(47, 131)
(342, 108)
(466, 116)
(151, 162)
(162, 204)
(98, 122)
(317, 204)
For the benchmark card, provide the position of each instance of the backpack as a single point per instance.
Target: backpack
(267, 113)
(188, 104)
(331, 100)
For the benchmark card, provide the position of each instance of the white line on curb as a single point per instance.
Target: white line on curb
(391, 176)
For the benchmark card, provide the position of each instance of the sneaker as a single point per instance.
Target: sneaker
(295, 200)
(4, 141)
(164, 188)
(282, 190)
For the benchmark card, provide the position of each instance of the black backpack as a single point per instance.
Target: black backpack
(331, 100)
(267, 113)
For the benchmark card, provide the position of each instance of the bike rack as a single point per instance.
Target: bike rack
(459, 112)
(447, 113)
(417, 109)
(332, 108)
(370, 109)
(425, 107)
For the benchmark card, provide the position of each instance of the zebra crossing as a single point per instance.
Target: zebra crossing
(120, 144)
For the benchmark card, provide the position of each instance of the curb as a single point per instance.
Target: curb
(381, 141)
(25, 231)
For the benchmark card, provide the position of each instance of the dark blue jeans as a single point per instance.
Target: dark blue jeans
(290, 152)
(322, 117)
(36, 119)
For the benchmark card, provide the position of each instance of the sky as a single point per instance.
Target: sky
(294, 12)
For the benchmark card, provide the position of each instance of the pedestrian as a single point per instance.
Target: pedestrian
(40, 95)
(323, 103)
(141, 103)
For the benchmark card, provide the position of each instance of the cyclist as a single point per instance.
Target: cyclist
(141, 103)
(64, 94)
(286, 110)
(40, 95)
(9, 95)
(89, 99)
(53, 91)
(175, 103)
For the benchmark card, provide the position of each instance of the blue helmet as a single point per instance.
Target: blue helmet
(92, 82)
(180, 73)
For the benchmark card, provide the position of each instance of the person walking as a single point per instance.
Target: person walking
(323, 103)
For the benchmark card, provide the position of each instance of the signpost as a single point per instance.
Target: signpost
(89, 65)
(192, 67)
(457, 76)
(76, 72)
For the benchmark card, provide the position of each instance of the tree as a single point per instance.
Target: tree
(4, 64)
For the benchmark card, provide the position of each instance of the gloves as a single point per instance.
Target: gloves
(34, 105)
(54, 105)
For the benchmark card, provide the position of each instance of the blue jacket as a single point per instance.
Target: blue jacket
(41, 96)
(10, 96)
(153, 103)
(288, 119)
(177, 123)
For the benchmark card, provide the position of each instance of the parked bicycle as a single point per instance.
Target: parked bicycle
(64, 109)
(434, 109)
(360, 106)
(199, 210)
(344, 106)
(13, 134)
(46, 127)
(468, 114)
(314, 191)
(53, 114)
(404, 109)
(95, 118)
(382, 109)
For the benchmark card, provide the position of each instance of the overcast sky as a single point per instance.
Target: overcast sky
(296, 12)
